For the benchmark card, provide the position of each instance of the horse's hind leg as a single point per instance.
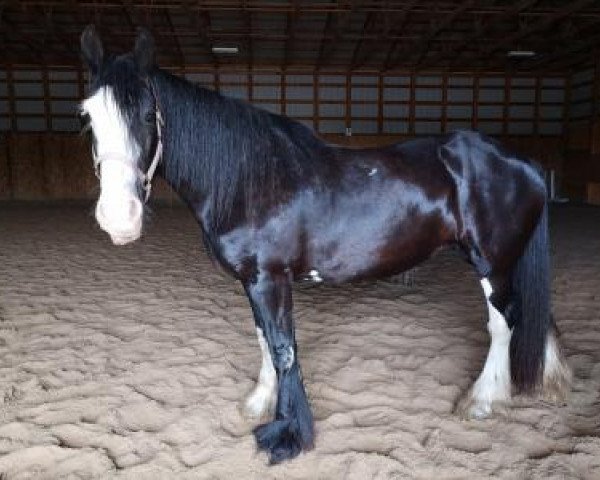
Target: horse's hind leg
(270, 295)
(261, 402)
(493, 387)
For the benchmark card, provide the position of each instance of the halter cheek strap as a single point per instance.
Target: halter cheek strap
(145, 178)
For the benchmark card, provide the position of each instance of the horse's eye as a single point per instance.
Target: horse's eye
(149, 117)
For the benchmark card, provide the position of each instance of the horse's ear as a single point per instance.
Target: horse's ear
(143, 51)
(91, 48)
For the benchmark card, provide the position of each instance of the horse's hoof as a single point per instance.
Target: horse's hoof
(281, 440)
(556, 386)
(556, 390)
(477, 411)
(471, 408)
(259, 404)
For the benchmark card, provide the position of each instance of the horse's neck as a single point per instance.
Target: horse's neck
(215, 171)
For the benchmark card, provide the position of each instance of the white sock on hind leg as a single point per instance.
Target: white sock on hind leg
(493, 384)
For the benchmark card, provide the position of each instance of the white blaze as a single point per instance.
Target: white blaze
(119, 210)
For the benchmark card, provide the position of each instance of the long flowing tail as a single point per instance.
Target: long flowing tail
(531, 309)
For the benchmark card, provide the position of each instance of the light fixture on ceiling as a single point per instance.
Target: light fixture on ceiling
(520, 53)
(222, 50)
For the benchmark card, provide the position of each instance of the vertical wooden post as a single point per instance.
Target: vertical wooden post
(380, 104)
(506, 108)
(475, 102)
(43, 136)
(411, 105)
(594, 143)
(283, 96)
(566, 113)
(12, 110)
(12, 117)
(80, 83)
(46, 89)
(536, 107)
(596, 85)
(348, 118)
(444, 119)
(9, 170)
(316, 113)
(45, 174)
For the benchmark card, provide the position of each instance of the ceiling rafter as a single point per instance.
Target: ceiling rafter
(575, 47)
(127, 14)
(175, 39)
(248, 26)
(437, 28)
(290, 29)
(35, 48)
(133, 14)
(404, 16)
(575, 62)
(201, 24)
(339, 6)
(326, 28)
(370, 20)
(50, 27)
(360, 35)
(544, 24)
(344, 23)
(489, 25)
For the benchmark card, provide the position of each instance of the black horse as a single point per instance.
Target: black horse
(276, 204)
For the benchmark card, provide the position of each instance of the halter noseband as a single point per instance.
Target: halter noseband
(145, 178)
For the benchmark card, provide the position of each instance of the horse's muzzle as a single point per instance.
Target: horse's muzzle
(122, 221)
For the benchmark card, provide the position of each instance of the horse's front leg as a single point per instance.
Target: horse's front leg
(291, 431)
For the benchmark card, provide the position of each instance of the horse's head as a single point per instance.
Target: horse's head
(125, 120)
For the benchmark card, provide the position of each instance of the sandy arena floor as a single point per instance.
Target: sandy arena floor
(130, 362)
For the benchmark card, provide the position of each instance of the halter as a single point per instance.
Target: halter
(145, 178)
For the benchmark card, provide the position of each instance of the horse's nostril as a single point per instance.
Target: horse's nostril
(134, 208)
(120, 215)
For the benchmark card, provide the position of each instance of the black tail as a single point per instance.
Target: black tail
(531, 313)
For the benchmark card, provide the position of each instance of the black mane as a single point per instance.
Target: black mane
(230, 149)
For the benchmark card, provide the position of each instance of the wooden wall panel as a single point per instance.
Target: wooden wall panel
(59, 166)
(404, 103)
(28, 167)
(5, 173)
(595, 138)
(68, 167)
(582, 152)
(48, 166)
(547, 150)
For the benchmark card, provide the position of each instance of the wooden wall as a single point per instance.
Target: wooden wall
(329, 102)
(51, 166)
(42, 157)
(582, 137)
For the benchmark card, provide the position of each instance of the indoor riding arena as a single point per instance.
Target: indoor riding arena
(135, 361)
